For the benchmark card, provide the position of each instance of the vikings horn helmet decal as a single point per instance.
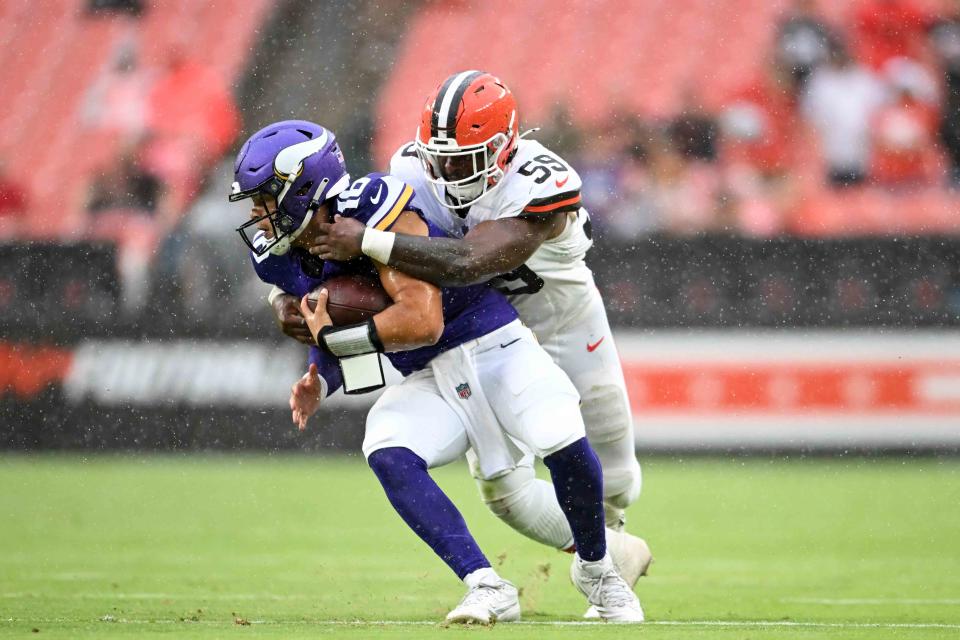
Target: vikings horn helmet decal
(300, 164)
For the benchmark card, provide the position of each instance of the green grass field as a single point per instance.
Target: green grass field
(296, 546)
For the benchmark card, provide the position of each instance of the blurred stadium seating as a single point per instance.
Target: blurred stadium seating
(55, 52)
(644, 59)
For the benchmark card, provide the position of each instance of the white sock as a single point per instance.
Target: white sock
(487, 574)
(596, 567)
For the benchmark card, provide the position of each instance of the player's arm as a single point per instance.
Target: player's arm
(491, 248)
(322, 378)
(286, 310)
(415, 319)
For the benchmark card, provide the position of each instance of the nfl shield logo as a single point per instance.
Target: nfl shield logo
(463, 390)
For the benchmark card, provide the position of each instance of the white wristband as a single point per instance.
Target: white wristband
(275, 293)
(352, 340)
(323, 387)
(378, 244)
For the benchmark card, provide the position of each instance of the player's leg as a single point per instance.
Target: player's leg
(537, 404)
(409, 430)
(529, 506)
(586, 352)
(524, 502)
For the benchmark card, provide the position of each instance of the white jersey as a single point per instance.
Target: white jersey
(551, 290)
(556, 297)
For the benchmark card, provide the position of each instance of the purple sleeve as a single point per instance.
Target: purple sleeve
(328, 367)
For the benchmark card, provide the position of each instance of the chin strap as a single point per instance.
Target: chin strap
(283, 245)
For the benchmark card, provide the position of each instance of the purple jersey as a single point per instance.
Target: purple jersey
(377, 200)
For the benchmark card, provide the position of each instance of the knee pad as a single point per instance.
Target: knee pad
(609, 423)
(606, 413)
(500, 493)
(528, 505)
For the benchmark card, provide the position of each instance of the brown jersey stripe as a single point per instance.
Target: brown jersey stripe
(560, 205)
(558, 197)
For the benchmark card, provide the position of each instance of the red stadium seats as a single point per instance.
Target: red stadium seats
(55, 52)
(602, 57)
(599, 56)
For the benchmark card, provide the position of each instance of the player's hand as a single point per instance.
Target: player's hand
(318, 318)
(287, 310)
(340, 240)
(305, 397)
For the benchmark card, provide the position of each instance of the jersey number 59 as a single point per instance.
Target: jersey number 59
(542, 166)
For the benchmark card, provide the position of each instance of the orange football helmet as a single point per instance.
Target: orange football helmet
(467, 135)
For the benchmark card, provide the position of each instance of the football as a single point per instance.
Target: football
(352, 299)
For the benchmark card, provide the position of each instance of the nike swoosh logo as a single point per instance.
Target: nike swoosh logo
(560, 183)
(593, 347)
(504, 346)
(375, 200)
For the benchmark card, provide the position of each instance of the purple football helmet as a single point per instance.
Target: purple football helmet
(297, 162)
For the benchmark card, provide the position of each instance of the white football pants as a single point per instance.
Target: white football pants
(585, 350)
(500, 395)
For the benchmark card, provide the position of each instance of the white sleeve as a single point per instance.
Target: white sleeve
(274, 293)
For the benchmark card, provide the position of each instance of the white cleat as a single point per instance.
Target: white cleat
(631, 556)
(491, 600)
(606, 590)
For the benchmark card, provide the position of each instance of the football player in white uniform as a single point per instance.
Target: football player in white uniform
(514, 208)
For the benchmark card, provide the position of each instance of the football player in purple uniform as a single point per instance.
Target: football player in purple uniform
(475, 377)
